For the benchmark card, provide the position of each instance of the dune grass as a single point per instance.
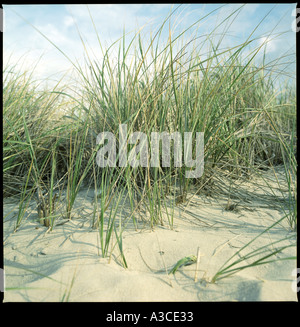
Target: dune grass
(262, 255)
(156, 84)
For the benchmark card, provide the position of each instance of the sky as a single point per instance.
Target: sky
(67, 25)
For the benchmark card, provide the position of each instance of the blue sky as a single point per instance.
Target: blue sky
(60, 23)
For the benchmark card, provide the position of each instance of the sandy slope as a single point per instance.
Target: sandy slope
(46, 266)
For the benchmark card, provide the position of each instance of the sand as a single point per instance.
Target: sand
(66, 263)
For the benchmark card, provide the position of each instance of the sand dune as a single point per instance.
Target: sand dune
(67, 263)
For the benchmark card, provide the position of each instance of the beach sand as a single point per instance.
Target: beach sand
(66, 263)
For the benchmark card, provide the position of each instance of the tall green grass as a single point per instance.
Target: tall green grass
(153, 85)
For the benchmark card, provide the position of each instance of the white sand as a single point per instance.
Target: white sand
(45, 266)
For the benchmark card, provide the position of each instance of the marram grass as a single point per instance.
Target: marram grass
(159, 84)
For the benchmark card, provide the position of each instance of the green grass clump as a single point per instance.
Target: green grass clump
(174, 84)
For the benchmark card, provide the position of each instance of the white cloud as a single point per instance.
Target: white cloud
(268, 43)
(68, 21)
(53, 33)
(110, 20)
